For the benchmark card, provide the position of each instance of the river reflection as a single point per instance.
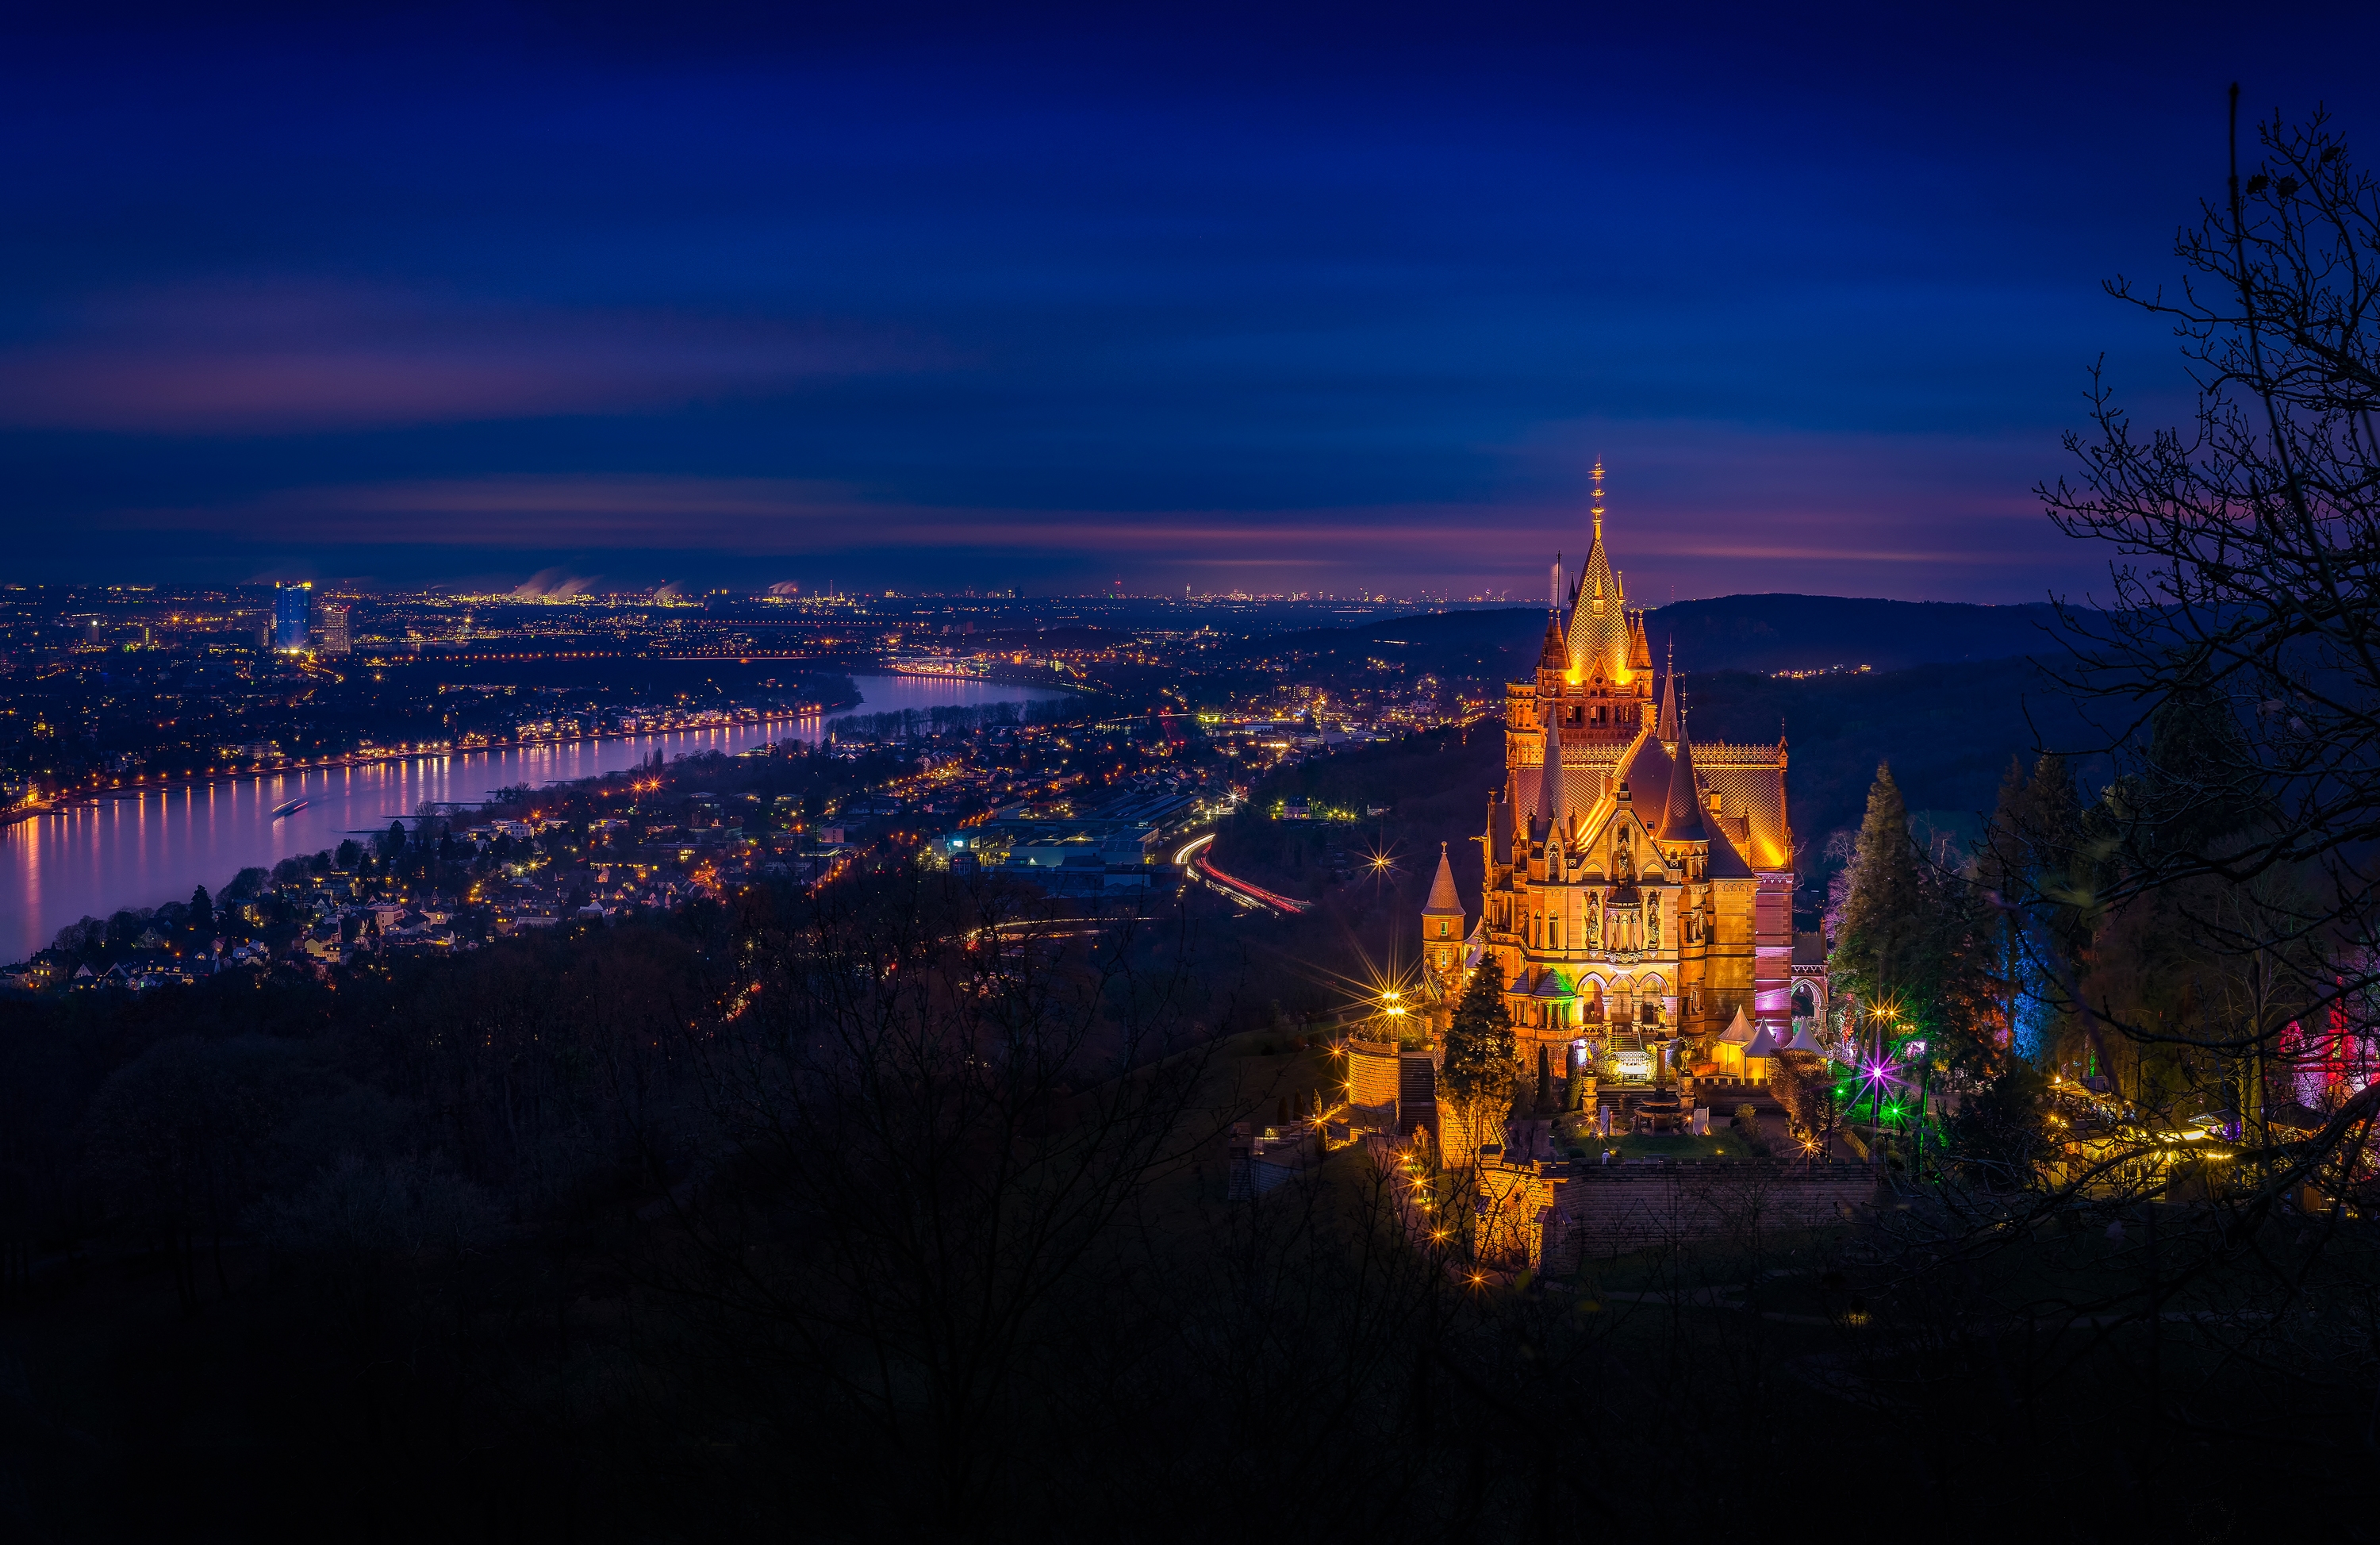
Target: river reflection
(148, 849)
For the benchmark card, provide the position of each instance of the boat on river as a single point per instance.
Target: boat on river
(292, 808)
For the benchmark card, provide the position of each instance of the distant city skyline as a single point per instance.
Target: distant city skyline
(1260, 301)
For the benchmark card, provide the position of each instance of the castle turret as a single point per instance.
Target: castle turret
(1441, 921)
(1553, 660)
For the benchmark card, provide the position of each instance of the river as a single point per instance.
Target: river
(147, 849)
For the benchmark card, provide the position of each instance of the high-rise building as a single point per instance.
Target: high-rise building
(1639, 886)
(333, 637)
(293, 608)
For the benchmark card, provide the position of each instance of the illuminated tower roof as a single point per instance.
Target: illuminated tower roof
(1444, 901)
(1600, 632)
(1553, 656)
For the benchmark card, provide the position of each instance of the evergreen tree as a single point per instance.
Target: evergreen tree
(1922, 939)
(1477, 1072)
(1883, 919)
(202, 913)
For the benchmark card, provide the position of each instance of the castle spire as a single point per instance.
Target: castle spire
(1549, 779)
(1553, 654)
(1665, 726)
(1598, 623)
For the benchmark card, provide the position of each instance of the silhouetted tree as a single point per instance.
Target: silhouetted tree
(1480, 1061)
(1878, 941)
(2233, 671)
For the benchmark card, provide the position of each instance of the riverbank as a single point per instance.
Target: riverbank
(99, 798)
(96, 855)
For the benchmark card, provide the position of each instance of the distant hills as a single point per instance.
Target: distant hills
(1947, 728)
(1813, 632)
(1948, 697)
(1767, 633)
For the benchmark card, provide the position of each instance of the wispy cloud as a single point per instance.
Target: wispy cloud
(273, 357)
(1681, 529)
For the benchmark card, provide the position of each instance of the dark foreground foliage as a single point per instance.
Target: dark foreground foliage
(899, 1213)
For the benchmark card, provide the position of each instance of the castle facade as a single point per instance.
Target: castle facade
(1639, 884)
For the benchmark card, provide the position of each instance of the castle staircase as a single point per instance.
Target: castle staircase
(1416, 1095)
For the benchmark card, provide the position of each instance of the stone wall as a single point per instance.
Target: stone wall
(1372, 1076)
(1602, 1210)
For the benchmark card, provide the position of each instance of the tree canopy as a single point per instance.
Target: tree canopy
(1479, 1043)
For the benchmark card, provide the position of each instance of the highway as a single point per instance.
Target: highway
(1192, 854)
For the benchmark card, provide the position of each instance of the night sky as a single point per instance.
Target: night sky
(1276, 297)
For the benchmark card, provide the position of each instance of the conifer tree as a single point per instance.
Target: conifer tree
(1883, 919)
(1477, 1072)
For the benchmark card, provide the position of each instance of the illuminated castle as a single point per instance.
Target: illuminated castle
(1639, 885)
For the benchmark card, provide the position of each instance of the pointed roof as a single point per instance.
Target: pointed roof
(1806, 1042)
(1738, 1030)
(1665, 725)
(1725, 863)
(1443, 902)
(1647, 771)
(1763, 1045)
(1598, 618)
(1681, 813)
(1550, 781)
(1553, 654)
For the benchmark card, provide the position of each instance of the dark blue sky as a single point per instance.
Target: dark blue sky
(1273, 297)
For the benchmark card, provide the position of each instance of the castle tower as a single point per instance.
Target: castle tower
(1638, 884)
(1598, 620)
(1441, 922)
(1609, 686)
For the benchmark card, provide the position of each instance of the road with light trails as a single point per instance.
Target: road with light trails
(1191, 854)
